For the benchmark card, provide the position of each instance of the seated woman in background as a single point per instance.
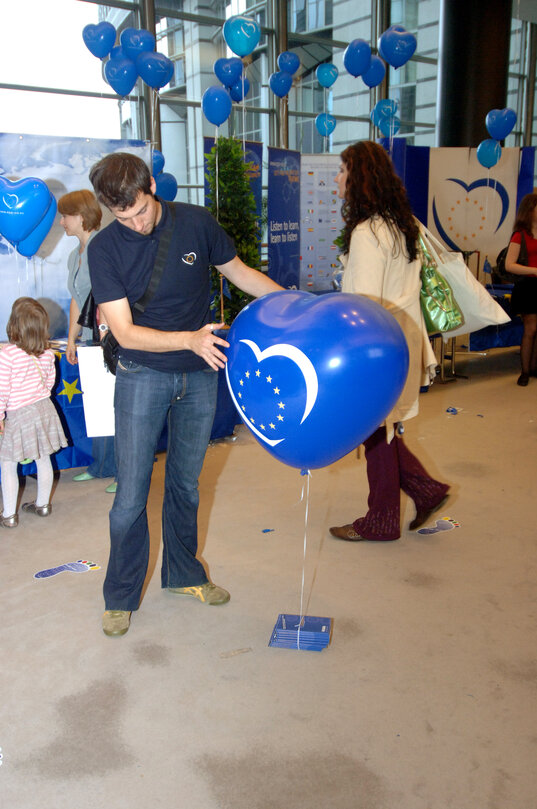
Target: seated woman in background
(521, 259)
(381, 261)
(81, 217)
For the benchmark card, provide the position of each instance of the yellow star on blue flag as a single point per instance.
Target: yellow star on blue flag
(69, 389)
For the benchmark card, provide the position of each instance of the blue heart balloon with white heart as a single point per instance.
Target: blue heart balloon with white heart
(23, 204)
(313, 376)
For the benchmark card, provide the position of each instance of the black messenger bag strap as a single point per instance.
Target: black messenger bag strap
(158, 266)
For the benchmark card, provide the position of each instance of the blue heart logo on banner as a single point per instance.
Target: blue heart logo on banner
(23, 204)
(313, 376)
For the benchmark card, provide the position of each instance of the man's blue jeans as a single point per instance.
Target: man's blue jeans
(144, 399)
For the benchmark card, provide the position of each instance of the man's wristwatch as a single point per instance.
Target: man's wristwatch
(103, 327)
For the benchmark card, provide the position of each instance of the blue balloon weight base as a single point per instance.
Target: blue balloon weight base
(313, 634)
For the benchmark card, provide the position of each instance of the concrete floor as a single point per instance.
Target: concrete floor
(426, 697)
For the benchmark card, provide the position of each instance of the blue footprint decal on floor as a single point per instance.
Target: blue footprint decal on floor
(74, 567)
(443, 524)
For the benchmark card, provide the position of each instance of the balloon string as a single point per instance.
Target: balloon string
(306, 487)
(243, 119)
(217, 180)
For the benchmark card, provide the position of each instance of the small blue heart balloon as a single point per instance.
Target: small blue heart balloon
(375, 72)
(326, 74)
(500, 123)
(325, 124)
(289, 62)
(489, 152)
(313, 376)
(228, 71)
(30, 245)
(135, 41)
(280, 83)
(121, 75)
(166, 186)
(389, 126)
(99, 39)
(241, 34)
(23, 204)
(157, 162)
(216, 105)
(236, 92)
(396, 45)
(155, 69)
(357, 57)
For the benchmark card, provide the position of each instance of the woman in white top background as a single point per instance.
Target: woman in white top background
(380, 259)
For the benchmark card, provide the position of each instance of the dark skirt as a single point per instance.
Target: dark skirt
(32, 431)
(524, 297)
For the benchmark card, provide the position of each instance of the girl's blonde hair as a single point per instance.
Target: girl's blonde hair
(28, 326)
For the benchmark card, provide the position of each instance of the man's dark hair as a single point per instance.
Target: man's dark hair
(118, 179)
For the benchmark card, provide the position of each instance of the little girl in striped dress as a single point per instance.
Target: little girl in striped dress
(29, 424)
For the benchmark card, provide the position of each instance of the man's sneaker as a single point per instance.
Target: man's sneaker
(116, 622)
(208, 593)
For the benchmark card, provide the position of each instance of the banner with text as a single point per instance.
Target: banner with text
(284, 217)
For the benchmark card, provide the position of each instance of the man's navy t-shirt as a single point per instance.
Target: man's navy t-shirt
(121, 261)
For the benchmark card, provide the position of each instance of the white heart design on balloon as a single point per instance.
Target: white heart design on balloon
(301, 361)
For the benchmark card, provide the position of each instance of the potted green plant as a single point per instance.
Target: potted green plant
(232, 203)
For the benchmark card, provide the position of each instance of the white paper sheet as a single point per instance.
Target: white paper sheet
(97, 391)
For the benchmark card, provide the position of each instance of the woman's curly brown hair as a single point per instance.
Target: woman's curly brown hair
(374, 189)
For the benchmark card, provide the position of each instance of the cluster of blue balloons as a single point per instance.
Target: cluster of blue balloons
(166, 182)
(499, 125)
(281, 81)
(241, 35)
(383, 115)
(27, 211)
(395, 46)
(134, 56)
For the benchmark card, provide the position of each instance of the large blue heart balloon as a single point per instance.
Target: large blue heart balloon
(489, 152)
(375, 72)
(99, 39)
(216, 105)
(155, 69)
(31, 244)
(228, 71)
(325, 124)
(313, 376)
(500, 123)
(240, 89)
(135, 41)
(396, 45)
(357, 57)
(241, 34)
(121, 75)
(23, 204)
(166, 186)
(326, 74)
(288, 62)
(280, 83)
